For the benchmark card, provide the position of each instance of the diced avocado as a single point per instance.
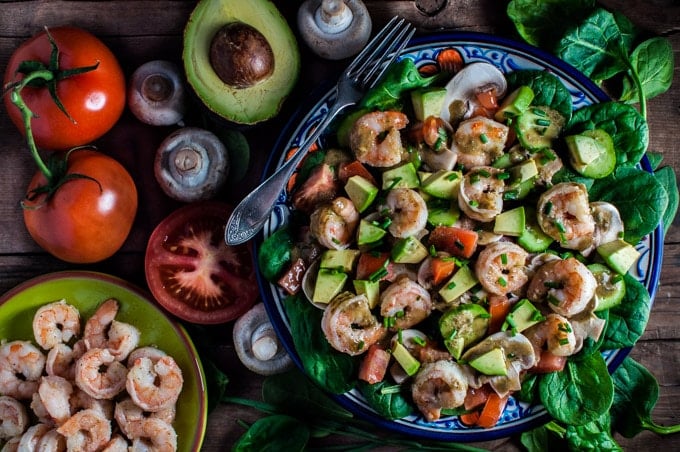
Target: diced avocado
(340, 260)
(461, 281)
(527, 170)
(492, 362)
(371, 289)
(522, 316)
(427, 102)
(329, 283)
(611, 287)
(408, 250)
(592, 153)
(515, 103)
(402, 176)
(444, 213)
(619, 255)
(503, 162)
(368, 233)
(361, 191)
(511, 222)
(537, 127)
(533, 239)
(405, 359)
(519, 190)
(443, 184)
(462, 326)
(422, 175)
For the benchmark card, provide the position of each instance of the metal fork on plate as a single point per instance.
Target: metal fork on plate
(362, 74)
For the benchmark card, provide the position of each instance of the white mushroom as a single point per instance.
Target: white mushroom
(462, 89)
(156, 93)
(608, 223)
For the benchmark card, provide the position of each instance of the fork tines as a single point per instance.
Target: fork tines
(380, 52)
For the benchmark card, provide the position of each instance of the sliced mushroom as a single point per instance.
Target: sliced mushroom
(462, 89)
(257, 345)
(608, 224)
(156, 93)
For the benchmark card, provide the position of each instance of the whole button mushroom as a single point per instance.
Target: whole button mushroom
(191, 164)
(156, 93)
(257, 345)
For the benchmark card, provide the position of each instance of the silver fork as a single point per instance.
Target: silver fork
(362, 74)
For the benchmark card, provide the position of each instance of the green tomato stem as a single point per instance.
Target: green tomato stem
(27, 115)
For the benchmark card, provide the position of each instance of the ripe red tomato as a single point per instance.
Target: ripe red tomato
(87, 219)
(193, 273)
(95, 100)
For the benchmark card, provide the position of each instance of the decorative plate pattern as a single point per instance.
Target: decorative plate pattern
(508, 56)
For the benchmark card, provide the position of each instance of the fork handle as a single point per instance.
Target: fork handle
(253, 211)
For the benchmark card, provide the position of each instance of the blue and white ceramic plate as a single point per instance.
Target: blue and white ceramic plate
(508, 56)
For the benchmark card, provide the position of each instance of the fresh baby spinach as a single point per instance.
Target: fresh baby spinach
(628, 320)
(274, 433)
(667, 179)
(548, 90)
(387, 400)
(652, 60)
(593, 436)
(274, 254)
(401, 77)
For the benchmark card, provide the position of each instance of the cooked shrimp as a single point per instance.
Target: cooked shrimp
(52, 441)
(55, 393)
(97, 326)
(116, 444)
(153, 434)
(153, 353)
(349, 325)
(39, 410)
(554, 333)
(563, 212)
(55, 323)
(12, 445)
(479, 141)
(406, 302)
(13, 417)
(80, 400)
(61, 361)
(85, 431)
(408, 212)
(375, 138)
(127, 412)
(502, 268)
(333, 224)
(548, 163)
(21, 366)
(99, 374)
(439, 385)
(31, 437)
(566, 284)
(480, 193)
(154, 386)
(123, 338)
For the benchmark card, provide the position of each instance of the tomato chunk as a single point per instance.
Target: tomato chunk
(374, 365)
(370, 263)
(493, 408)
(442, 269)
(549, 362)
(499, 307)
(456, 241)
(354, 168)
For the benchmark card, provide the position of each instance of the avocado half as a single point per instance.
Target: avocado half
(248, 105)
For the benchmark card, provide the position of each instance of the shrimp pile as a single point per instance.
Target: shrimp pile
(86, 387)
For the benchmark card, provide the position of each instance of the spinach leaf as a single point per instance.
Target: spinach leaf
(652, 60)
(655, 158)
(331, 370)
(667, 179)
(639, 197)
(580, 393)
(548, 89)
(595, 436)
(595, 46)
(401, 77)
(567, 174)
(542, 23)
(388, 403)
(294, 394)
(628, 320)
(529, 391)
(274, 433)
(546, 437)
(274, 254)
(636, 392)
(629, 31)
(628, 129)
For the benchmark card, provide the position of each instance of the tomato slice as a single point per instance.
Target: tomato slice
(193, 273)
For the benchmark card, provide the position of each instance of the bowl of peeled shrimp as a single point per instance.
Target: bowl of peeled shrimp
(87, 361)
(434, 263)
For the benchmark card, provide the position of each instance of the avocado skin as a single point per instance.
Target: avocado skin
(250, 105)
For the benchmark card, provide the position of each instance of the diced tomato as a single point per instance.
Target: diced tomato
(476, 397)
(549, 362)
(492, 411)
(442, 269)
(488, 98)
(499, 307)
(374, 365)
(354, 168)
(291, 281)
(370, 262)
(470, 418)
(456, 241)
(321, 186)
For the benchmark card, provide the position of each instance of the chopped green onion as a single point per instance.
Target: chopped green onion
(483, 138)
(502, 175)
(473, 203)
(538, 112)
(547, 208)
(504, 259)
(564, 341)
(419, 341)
(484, 173)
(452, 176)
(502, 282)
(451, 285)
(392, 389)
(543, 122)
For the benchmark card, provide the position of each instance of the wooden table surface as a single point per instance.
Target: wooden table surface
(138, 31)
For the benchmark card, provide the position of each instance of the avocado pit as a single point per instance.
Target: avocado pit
(240, 55)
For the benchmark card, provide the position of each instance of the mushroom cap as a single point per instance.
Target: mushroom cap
(470, 80)
(156, 93)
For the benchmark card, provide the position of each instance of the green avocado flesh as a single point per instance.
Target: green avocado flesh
(255, 103)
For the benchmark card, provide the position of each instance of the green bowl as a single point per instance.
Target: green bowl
(86, 290)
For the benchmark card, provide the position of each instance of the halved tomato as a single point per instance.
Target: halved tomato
(193, 273)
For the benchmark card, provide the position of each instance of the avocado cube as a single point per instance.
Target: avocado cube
(341, 260)
(329, 283)
(427, 102)
(409, 250)
(369, 288)
(461, 281)
(533, 239)
(592, 153)
(522, 316)
(524, 171)
(446, 214)
(492, 362)
(619, 255)
(405, 359)
(361, 191)
(368, 233)
(511, 222)
(515, 103)
(443, 184)
(402, 176)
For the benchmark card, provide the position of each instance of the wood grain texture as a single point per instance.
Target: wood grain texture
(138, 31)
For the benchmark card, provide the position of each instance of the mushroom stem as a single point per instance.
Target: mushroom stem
(265, 348)
(156, 88)
(333, 16)
(188, 160)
